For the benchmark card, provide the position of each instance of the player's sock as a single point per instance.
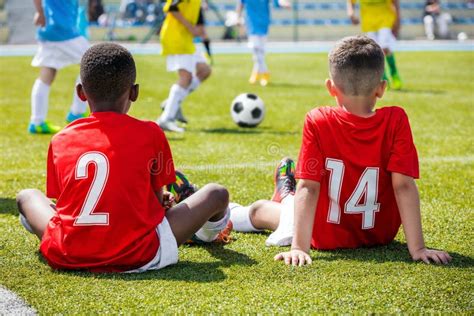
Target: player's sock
(207, 44)
(78, 106)
(240, 218)
(195, 82)
(39, 102)
(209, 231)
(392, 64)
(176, 96)
(25, 223)
(283, 235)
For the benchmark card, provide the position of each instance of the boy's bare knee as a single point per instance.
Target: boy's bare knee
(254, 208)
(218, 194)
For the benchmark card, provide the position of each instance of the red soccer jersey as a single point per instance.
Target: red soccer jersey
(353, 158)
(104, 171)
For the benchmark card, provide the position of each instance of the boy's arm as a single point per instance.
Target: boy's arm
(306, 198)
(239, 10)
(351, 12)
(39, 18)
(191, 28)
(408, 201)
(396, 25)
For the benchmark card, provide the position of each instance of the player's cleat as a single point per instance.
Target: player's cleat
(43, 128)
(170, 126)
(182, 188)
(179, 115)
(223, 237)
(254, 77)
(71, 117)
(396, 83)
(285, 182)
(265, 79)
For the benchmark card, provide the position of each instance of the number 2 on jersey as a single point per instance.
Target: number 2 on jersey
(367, 188)
(87, 216)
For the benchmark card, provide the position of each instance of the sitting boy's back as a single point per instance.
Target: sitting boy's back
(104, 171)
(355, 157)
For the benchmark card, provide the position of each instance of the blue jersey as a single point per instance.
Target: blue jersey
(258, 15)
(61, 20)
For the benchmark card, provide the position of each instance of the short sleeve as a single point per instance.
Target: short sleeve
(162, 170)
(171, 6)
(52, 185)
(310, 161)
(403, 156)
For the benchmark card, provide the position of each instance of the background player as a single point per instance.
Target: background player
(258, 21)
(177, 33)
(381, 22)
(109, 215)
(60, 45)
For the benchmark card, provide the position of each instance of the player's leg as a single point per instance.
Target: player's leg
(78, 107)
(376, 38)
(262, 65)
(204, 214)
(428, 21)
(387, 41)
(39, 102)
(443, 21)
(36, 210)
(260, 215)
(253, 44)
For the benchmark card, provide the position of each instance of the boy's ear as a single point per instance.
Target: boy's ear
(379, 92)
(80, 92)
(134, 92)
(331, 87)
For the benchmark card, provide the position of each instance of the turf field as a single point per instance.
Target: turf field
(242, 277)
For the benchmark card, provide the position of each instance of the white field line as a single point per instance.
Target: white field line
(259, 165)
(11, 304)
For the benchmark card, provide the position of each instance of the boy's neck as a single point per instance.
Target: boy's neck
(362, 106)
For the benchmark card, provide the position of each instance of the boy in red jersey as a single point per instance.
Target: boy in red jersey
(357, 165)
(107, 172)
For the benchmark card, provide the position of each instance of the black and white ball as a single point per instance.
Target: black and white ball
(247, 110)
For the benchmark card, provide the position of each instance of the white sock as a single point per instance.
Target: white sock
(78, 106)
(25, 223)
(176, 96)
(39, 101)
(283, 235)
(256, 67)
(195, 82)
(209, 231)
(262, 65)
(240, 218)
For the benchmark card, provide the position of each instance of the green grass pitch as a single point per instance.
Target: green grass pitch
(242, 277)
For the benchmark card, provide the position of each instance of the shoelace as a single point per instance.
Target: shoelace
(289, 184)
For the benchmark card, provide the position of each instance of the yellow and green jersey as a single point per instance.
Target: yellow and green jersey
(376, 14)
(175, 37)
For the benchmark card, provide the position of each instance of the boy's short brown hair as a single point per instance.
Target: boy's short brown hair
(356, 65)
(107, 72)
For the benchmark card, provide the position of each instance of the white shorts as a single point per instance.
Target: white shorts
(167, 253)
(58, 55)
(187, 62)
(257, 42)
(384, 37)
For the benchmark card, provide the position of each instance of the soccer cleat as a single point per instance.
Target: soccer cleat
(265, 79)
(182, 188)
(71, 117)
(223, 237)
(396, 83)
(43, 128)
(170, 126)
(254, 77)
(285, 182)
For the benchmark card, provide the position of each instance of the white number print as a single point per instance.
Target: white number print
(87, 216)
(366, 190)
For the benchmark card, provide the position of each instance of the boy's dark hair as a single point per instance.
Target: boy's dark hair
(107, 72)
(356, 65)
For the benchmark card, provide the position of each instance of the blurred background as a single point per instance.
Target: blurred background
(308, 20)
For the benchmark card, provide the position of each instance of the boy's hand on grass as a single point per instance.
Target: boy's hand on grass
(431, 255)
(294, 257)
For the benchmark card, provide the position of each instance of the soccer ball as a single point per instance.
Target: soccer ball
(247, 110)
